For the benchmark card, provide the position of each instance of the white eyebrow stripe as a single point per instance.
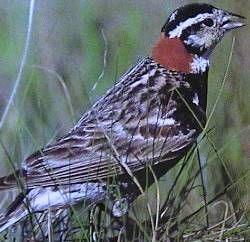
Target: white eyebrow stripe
(183, 25)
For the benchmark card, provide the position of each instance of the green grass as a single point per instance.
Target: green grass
(65, 60)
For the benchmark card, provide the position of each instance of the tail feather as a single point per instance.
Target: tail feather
(8, 220)
(15, 212)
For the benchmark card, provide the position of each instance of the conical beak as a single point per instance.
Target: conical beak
(232, 21)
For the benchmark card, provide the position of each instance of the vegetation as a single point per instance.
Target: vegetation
(76, 51)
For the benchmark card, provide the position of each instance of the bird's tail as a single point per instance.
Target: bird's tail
(15, 212)
(9, 220)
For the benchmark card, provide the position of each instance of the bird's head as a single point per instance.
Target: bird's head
(200, 26)
(197, 28)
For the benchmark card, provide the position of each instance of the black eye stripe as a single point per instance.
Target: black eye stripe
(208, 22)
(196, 27)
(186, 12)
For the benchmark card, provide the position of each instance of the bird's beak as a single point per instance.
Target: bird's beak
(232, 21)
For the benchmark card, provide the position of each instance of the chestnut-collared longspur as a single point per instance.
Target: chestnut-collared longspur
(151, 116)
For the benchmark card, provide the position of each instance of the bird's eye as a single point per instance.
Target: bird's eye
(208, 22)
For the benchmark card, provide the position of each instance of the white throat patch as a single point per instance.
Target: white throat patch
(199, 64)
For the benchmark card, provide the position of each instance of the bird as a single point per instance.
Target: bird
(144, 124)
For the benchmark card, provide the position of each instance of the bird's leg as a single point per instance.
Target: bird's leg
(101, 208)
(91, 224)
(95, 219)
(123, 227)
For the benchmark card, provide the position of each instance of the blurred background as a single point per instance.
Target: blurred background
(80, 44)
